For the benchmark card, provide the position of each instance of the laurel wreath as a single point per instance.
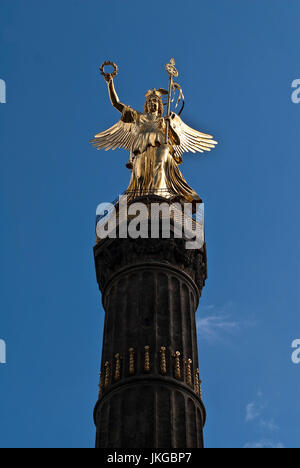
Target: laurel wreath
(112, 64)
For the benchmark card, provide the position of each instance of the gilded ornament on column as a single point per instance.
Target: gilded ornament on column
(198, 383)
(189, 379)
(177, 365)
(107, 374)
(118, 367)
(131, 361)
(147, 359)
(163, 361)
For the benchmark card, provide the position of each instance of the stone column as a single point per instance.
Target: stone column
(150, 394)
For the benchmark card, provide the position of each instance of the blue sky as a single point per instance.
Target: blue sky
(237, 61)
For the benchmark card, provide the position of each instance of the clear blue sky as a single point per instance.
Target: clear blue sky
(237, 60)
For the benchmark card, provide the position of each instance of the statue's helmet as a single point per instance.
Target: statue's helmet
(155, 95)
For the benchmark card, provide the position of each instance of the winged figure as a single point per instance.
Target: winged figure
(156, 145)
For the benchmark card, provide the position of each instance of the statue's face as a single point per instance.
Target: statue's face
(153, 105)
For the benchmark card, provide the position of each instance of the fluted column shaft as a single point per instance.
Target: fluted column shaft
(149, 393)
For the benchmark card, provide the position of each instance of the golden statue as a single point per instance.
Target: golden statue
(156, 142)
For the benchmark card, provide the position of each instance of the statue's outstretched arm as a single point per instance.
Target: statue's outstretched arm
(113, 96)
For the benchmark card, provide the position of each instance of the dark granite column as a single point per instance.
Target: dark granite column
(150, 394)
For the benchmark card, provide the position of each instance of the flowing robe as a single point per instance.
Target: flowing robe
(153, 162)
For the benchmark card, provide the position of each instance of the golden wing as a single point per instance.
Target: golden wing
(120, 135)
(190, 140)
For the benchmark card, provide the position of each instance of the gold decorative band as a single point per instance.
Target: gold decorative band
(189, 379)
(107, 374)
(177, 366)
(163, 361)
(198, 383)
(113, 372)
(118, 367)
(131, 361)
(147, 359)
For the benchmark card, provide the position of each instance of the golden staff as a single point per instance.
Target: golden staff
(172, 71)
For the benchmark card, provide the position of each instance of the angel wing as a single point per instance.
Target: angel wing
(190, 140)
(120, 135)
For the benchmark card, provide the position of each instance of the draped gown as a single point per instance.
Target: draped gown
(153, 163)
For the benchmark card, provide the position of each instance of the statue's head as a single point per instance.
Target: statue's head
(153, 103)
